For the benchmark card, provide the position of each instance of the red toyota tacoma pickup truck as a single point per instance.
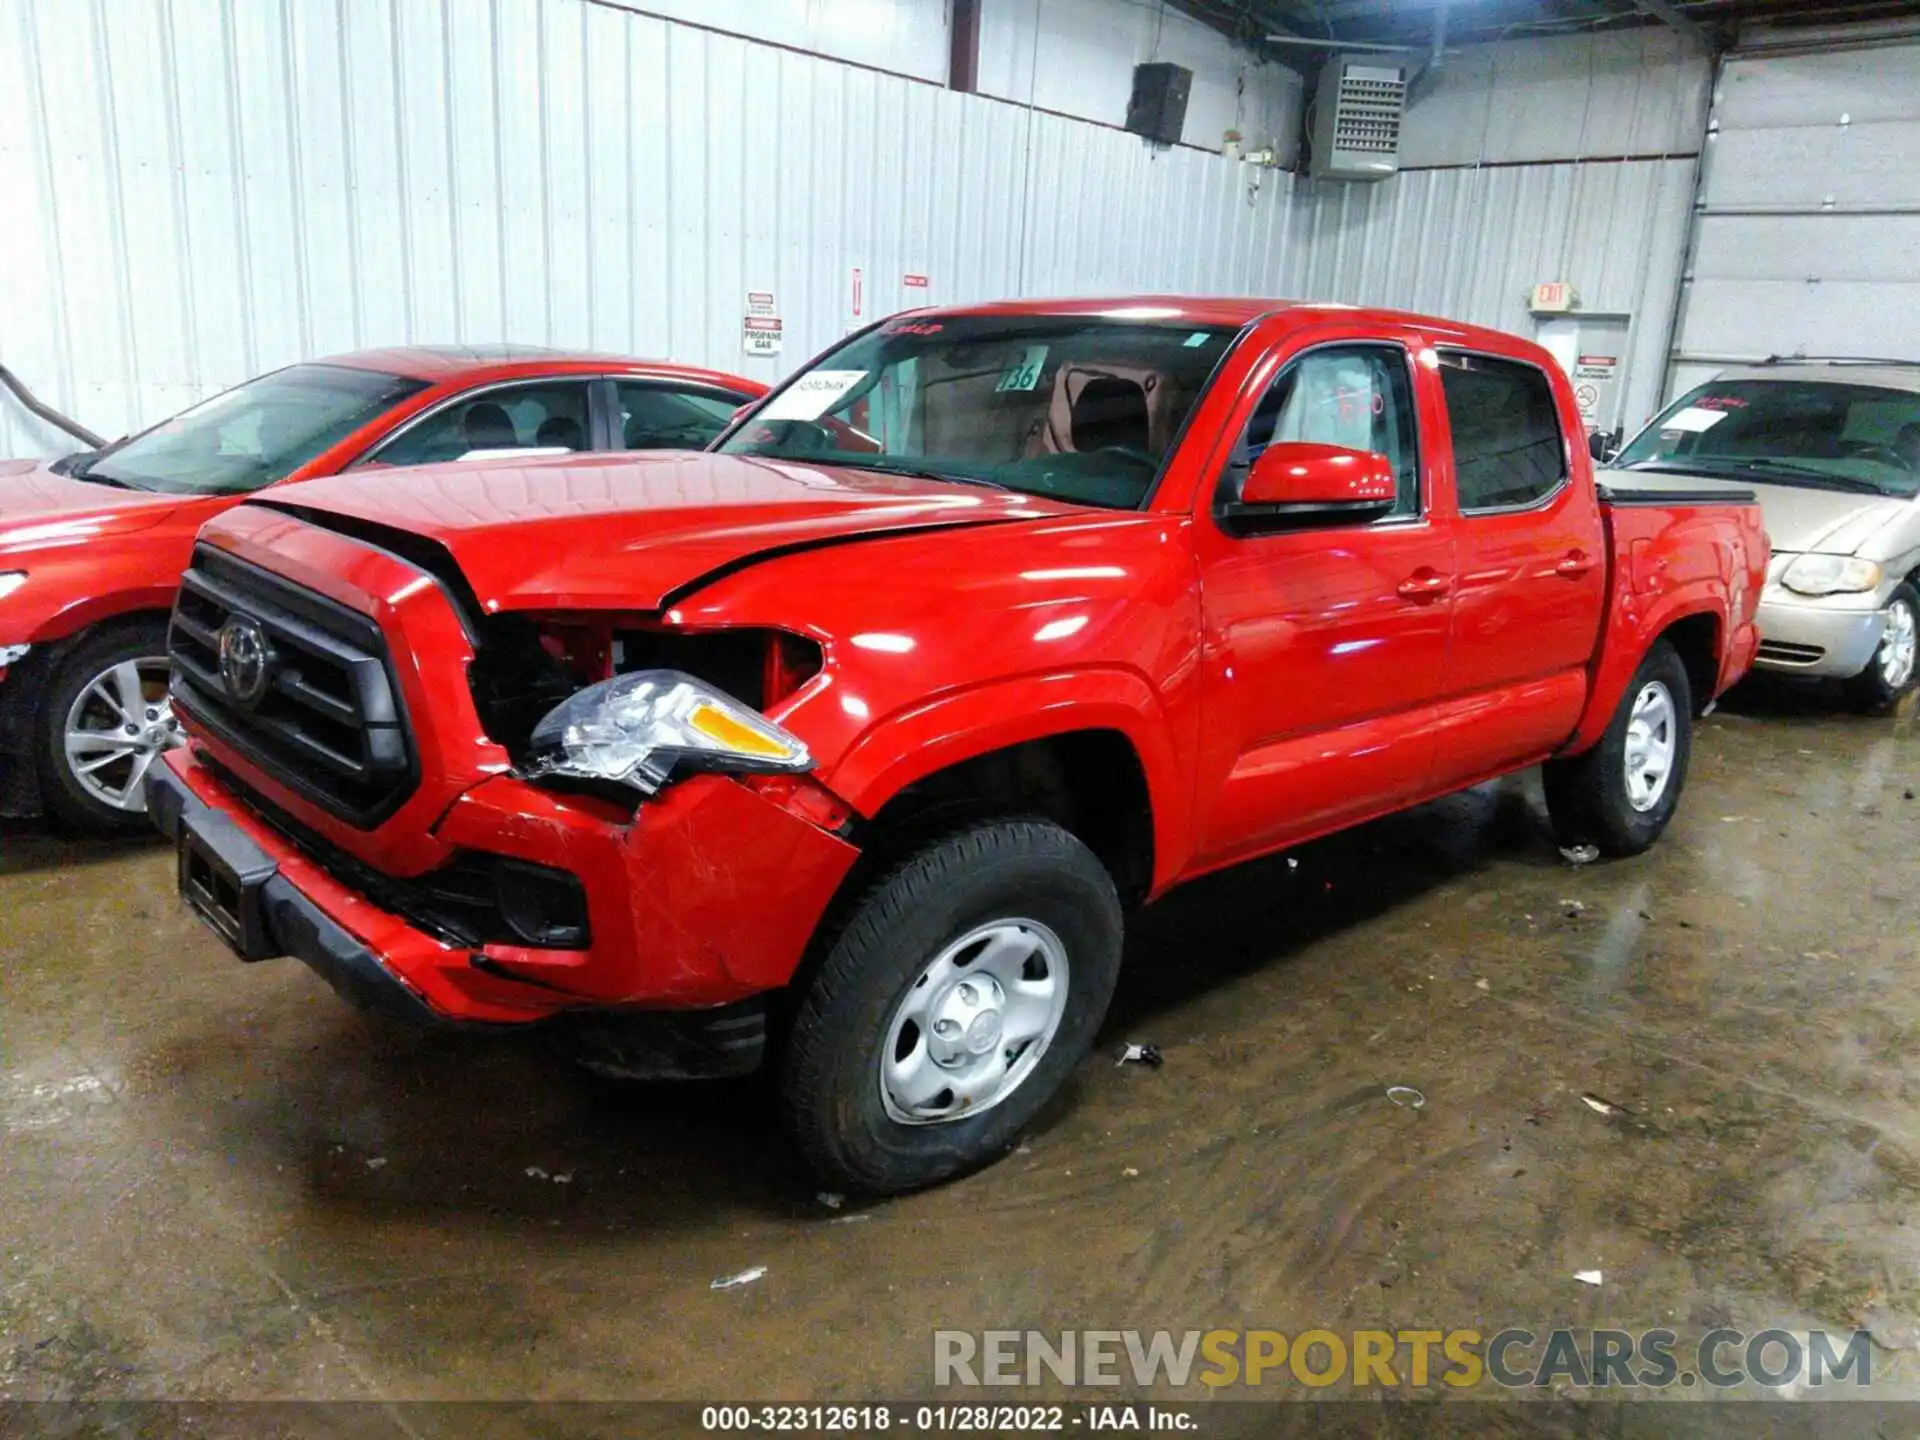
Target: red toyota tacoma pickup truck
(847, 744)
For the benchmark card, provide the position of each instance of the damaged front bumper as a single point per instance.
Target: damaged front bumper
(705, 897)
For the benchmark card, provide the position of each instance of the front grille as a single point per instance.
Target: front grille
(330, 724)
(1781, 653)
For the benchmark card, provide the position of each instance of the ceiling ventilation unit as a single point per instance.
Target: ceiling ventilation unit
(1356, 121)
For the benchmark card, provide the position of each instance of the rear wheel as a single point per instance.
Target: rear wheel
(964, 988)
(104, 720)
(1620, 794)
(1889, 676)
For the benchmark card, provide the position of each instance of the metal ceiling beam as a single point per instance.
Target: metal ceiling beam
(1666, 11)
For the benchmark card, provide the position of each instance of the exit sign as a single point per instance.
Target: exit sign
(1552, 297)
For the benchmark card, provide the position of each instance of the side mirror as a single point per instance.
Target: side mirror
(1602, 446)
(1297, 484)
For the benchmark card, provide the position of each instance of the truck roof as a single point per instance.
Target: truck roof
(1233, 310)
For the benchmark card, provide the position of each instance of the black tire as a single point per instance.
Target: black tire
(830, 1084)
(62, 794)
(1587, 795)
(1871, 691)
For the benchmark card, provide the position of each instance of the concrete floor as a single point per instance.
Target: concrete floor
(220, 1182)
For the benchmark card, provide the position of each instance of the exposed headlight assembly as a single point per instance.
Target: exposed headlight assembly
(641, 729)
(1831, 575)
(10, 581)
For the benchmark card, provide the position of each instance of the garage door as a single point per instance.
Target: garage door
(1808, 236)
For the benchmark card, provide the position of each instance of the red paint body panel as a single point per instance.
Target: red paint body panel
(620, 532)
(1273, 686)
(95, 551)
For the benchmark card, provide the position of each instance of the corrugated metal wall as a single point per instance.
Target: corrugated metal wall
(199, 190)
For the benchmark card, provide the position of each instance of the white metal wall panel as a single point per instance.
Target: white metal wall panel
(1024, 45)
(1808, 234)
(1628, 92)
(200, 190)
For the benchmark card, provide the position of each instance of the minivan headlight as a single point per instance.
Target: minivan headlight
(1831, 575)
(640, 729)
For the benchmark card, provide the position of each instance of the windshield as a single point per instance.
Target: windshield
(250, 436)
(1814, 433)
(1080, 408)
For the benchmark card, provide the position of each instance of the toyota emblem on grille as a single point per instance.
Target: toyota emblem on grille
(246, 660)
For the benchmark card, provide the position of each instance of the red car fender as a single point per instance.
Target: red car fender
(155, 599)
(961, 725)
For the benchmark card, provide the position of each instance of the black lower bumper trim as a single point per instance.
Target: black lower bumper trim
(670, 1044)
(279, 919)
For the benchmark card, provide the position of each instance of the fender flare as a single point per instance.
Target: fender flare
(962, 725)
(1643, 619)
(82, 615)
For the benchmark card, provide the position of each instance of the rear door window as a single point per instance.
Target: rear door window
(1508, 452)
(653, 415)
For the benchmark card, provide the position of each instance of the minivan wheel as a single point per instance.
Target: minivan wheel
(963, 989)
(1890, 675)
(1620, 794)
(104, 721)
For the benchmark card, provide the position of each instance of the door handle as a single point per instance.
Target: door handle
(1424, 585)
(1576, 564)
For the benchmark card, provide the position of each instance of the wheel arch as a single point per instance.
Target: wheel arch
(1696, 626)
(1090, 750)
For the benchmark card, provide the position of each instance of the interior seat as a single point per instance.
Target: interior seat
(558, 430)
(487, 426)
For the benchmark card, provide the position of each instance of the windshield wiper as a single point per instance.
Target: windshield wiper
(921, 472)
(1768, 463)
(1759, 467)
(82, 469)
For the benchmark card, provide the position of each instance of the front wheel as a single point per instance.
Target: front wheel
(1889, 676)
(104, 720)
(1620, 794)
(963, 989)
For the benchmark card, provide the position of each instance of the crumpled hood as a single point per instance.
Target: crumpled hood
(1799, 518)
(632, 531)
(39, 508)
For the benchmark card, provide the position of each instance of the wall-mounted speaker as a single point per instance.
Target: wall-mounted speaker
(1158, 108)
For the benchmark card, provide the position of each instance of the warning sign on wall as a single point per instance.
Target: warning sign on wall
(760, 335)
(760, 327)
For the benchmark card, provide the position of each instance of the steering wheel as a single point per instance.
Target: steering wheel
(1885, 454)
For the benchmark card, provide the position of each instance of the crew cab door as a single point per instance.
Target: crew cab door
(1325, 637)
(1530, 555)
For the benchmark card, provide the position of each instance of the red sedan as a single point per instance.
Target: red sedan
(92, 546)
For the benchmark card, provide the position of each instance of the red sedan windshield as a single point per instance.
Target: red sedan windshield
(251, 435)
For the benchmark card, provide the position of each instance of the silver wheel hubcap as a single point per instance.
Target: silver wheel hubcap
(116, 726)
(1897, 646)
(1651, 736)
(975, 1023)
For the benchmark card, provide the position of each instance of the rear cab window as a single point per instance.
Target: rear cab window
(1508, 449)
